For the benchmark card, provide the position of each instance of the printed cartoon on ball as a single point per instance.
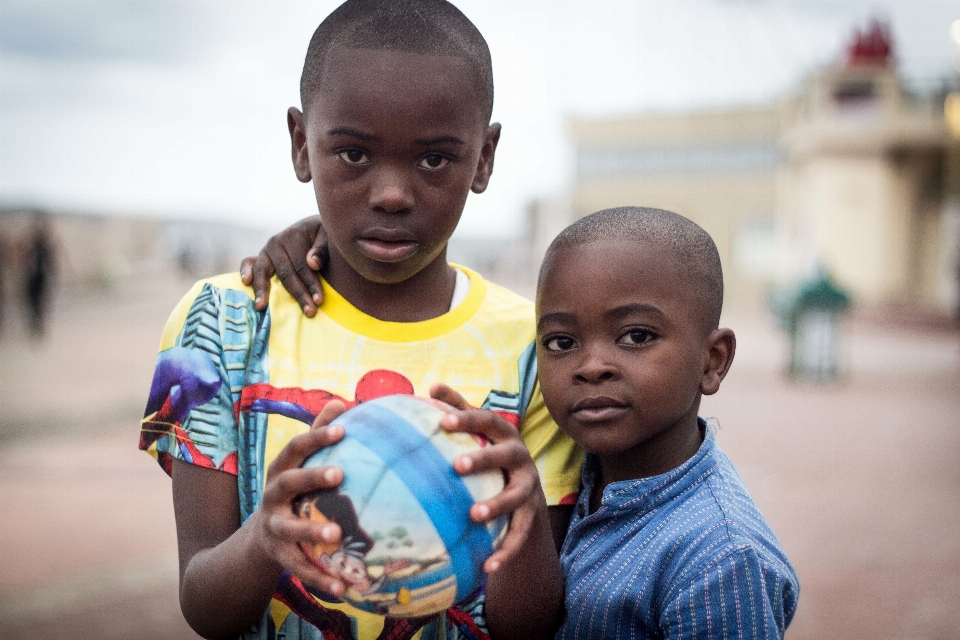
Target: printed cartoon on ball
(409, 547)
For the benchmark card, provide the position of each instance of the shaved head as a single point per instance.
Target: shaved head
(694, 249)
(414, 26)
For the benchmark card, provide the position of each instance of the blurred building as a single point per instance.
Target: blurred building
(857, 173)
(99, 252)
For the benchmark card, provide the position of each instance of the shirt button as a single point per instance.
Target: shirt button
(580, 510)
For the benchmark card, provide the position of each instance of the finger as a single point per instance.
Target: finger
(280, 491)
(445, 393)
(514, 496)
(290, 278)
(315, 260)
(511, 456)
(299, 563)
(319, 253)
(303, 446)
(311, 278)
(295, 558)
(246, 270)
(293, 529)
(330, 412)
(518, 531)
(485, 423)
(262, 272)
(317, 579)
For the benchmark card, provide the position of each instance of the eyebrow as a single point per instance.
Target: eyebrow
(348, 131)
(635, 308)
(559, 317)
(564, 317)
(426, 142)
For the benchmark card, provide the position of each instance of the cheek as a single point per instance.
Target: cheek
(674, 381)
(550, 376)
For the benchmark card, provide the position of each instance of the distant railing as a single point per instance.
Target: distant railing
(749, 156)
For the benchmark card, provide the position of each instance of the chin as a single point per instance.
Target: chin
(387, 273)
(596, 443)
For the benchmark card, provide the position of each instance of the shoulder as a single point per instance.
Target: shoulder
(741, 592)
(209, 299)
(502, 316)
(716, 515)
(506, 299)
(227, 284)
(726, 539)
(503, 302)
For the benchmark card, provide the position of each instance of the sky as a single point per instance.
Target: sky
(177, 108)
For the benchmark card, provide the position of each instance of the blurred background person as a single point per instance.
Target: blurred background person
(38, 267)
(4, 257)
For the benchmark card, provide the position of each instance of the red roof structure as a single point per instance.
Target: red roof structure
(873, 47)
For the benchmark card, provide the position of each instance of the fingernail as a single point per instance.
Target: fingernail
(337, 589)
(259, 300)
(481, 511)
(492, 566)
(465, 463)
(331, 475)
(328, 534)
(316, 298)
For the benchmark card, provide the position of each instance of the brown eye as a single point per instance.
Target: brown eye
(434, 161)
(354, 157)
(559, 343)
(636, 337)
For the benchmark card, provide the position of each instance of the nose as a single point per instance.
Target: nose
(595, 367)
(390, 191)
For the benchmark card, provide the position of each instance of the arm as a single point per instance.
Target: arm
(229, 572)
(559, 522)
(737, 596)
(524, 596)
(296, 256)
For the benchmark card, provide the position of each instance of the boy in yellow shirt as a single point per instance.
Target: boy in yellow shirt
(394, 133)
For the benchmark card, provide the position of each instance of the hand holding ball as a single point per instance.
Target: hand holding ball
(408, 547)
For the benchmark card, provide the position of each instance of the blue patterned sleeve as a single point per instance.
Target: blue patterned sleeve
(737, 596)
(190, 413)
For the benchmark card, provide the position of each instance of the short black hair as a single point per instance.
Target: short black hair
(693, 247)
(416, 26)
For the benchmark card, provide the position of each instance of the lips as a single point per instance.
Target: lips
(388, 245)
(598, 409)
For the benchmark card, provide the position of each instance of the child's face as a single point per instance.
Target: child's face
(620, 350)
(393, 142)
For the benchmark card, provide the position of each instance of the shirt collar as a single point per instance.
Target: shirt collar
(339, 309)
(647, 493)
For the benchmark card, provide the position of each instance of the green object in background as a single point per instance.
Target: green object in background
(812, 314)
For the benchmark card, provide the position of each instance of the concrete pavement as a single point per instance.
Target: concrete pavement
(861, 481)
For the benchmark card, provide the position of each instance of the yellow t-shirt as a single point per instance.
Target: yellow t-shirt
(233, 385)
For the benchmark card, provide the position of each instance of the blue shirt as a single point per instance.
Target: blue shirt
(686, 554)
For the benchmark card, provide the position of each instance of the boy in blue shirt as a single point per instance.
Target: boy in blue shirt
(665, 540)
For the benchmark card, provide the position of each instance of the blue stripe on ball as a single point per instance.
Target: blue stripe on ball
(431, 479)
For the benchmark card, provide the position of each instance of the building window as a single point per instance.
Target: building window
(758, 156)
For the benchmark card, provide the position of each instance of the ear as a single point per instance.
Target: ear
(719, 349)
(485, 165)
(296, 124)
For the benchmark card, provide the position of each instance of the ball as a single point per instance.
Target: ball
(408, 547)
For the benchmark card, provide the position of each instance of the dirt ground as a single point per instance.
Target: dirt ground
(860, 480)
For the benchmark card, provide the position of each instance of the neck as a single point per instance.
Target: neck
(662, 453)
(425, 295)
